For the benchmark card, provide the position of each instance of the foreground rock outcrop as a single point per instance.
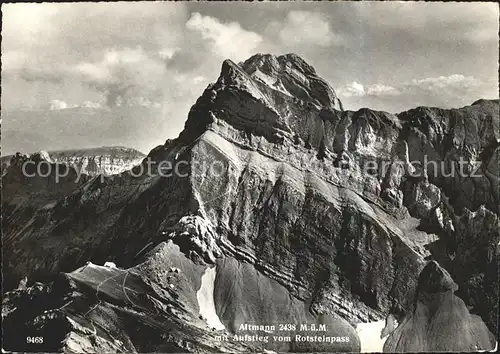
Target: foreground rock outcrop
(150, 307)
(439, 320)
(325, 216)
(153, 306)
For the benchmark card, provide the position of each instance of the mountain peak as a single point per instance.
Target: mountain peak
(292, 75)
(268, 62)
(270, 96)
(434, 278)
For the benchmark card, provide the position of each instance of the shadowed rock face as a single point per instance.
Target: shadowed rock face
(470, 133)
(439, 321)
(293, 217)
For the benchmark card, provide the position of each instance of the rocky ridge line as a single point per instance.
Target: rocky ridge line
(91, 161)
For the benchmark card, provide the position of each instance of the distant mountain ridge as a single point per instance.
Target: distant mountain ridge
(106, 160)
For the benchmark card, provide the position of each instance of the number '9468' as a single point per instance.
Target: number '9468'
(34, 340)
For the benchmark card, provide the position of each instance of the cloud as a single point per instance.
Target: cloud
(356, 89)
(58, 105)
(382, 90)
(449, 91)
(103, 54)
(93, 72)
(452, 82)
(13, 60)
(440, 84)
(90, 104)
(228, 40)
(199, 79)
(442, 91)
(167, 53)
(436, 21)
(124, 74)
(306, 28)
(150, 53)
(352, 89)
(69, 30)
(77, 52)
(34, 74)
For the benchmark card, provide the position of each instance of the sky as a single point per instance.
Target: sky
(78, 75)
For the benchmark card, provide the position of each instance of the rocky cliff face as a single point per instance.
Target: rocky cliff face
(320, 214)
(93, 161)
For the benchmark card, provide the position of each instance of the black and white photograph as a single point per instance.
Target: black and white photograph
(250, 177)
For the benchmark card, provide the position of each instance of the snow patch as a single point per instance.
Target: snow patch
(205, 296)
(369, 336)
